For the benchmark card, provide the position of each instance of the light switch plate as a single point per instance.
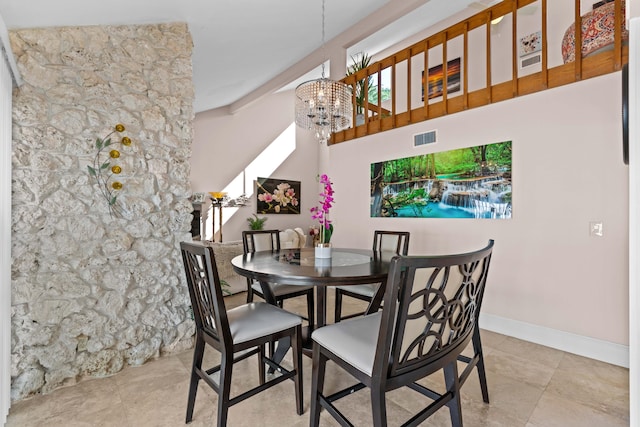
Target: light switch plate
(595, 229)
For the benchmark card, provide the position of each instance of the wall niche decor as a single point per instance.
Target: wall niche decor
(277, 196)
(472, 182)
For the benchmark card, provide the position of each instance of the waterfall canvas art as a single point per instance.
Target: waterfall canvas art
(473, 182)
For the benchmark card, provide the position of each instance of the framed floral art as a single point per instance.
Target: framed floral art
(277, 196)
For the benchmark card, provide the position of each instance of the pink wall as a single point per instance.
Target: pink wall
(226, 145)
(567, 171)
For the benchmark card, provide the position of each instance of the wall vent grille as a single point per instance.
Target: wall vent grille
(526, 62)
(425, 138)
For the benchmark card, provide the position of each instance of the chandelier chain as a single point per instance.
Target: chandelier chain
(324, 55)
(323, 2)
(323, 105)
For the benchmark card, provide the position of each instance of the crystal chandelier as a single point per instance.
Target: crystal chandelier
(323, 105)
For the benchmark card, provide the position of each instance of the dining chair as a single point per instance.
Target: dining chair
(384, 242)
(429, 316)
(236, 334)
(269, 240)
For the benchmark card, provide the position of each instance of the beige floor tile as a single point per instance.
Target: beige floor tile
(186, 357)
(529, 385)
(86, 397)
(511, 401)
(478, 414)
(599, 371)
(164, 372)
(357, 408)
(266, 408)
(519, 367)
(114, 416)
(166, 406)
(547, 356)
(491, 339)
(602, 387)
(507, 396)
(554, 411)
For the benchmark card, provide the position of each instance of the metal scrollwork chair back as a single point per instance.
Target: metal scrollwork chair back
(430, 315)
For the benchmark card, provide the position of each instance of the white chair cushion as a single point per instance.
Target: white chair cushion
(368, 290)
(353, 340)
(279, 289)
(289, 239)
(302, 236)
(257, 319)
(262, 242)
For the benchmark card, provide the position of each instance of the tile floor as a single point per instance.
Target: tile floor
(529, 385)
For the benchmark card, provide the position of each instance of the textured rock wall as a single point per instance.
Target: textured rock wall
(92, 293)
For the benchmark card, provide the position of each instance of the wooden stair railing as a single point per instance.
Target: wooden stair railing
(379, 119)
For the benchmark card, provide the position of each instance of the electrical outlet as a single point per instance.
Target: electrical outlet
(595, 229)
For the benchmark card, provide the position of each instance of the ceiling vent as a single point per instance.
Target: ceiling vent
(425, 138)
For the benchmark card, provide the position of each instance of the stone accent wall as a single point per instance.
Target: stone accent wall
(91, 293)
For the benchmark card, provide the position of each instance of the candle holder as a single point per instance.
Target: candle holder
(217, 199)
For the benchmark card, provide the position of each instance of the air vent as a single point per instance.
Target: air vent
(535, 59)
(424, 138)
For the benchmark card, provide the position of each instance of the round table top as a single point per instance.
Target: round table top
(300, 266)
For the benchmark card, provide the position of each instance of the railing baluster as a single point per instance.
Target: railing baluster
(617, 36)
(578, 38)
(445, 72)
(514, 48)
(488, 26)
(425, 79)
(393, 92)
(545, 66)
(409, 86)
(592, 66)
(354, 103)
(379, 91)
(465, 70)
(366, 99)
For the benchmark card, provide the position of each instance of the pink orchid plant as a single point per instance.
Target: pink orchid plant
(321, 212)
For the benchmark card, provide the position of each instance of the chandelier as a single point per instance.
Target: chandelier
(323, 105)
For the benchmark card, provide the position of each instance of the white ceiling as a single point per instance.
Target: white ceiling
(247, 48)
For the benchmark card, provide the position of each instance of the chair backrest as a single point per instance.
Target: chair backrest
(291, 239)
(260, 240)
(207, 300)
(431, 308)
(396, 242)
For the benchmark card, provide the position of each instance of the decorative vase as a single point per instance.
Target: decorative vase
(322, 265)
(323, 250)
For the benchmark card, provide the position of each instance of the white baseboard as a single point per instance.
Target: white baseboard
(616, 354)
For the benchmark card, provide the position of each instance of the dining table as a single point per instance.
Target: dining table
(299, 266)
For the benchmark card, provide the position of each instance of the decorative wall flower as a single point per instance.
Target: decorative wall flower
(321, 212)
(103, 172)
